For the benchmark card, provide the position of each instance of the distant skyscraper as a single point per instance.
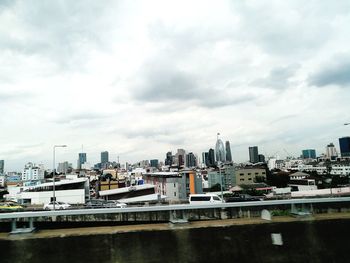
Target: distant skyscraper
(211, 157)
(2, 166)
(309, 154)
(261, 158)
(104, 157)
(154, 163)
(220, 150)
(344, 144)
(180, 157)
(81, 160)
(191, 160)
(228, 151)
(331, 151)
(169, 158)
(253, 154)
(205, 158)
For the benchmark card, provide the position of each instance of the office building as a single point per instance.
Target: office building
(211, 158)
(331, 151)
(64, 167)
(169, 158)
(2, 166)
(154, 163)
(344, 144)
(104, 157)
(180, 157)
(253, 154)
(220, 151)
(81, 160)
(226, 175)
(191, 160)
(261, 158)
(309, 154)
(228, 151)
(205, 158)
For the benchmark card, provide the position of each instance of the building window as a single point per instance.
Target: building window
(249, 173)
(174, 185)
(174, 193)
(241, 174)
(241, 179)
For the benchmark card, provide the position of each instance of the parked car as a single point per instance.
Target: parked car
(58, 206)
(101, 203)
(242, 198)
(115, 203)
(203, 199)
(10, 207)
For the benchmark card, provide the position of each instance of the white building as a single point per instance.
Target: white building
(2, 180)
(70, 191)
(33, 172)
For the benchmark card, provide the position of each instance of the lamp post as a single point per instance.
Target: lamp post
(54, 173)
(222, 192)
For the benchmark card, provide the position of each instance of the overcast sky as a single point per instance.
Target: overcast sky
(140, 78)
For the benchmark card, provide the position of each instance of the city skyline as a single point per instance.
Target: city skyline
(140, 79)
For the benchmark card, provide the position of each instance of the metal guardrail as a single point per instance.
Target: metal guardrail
(17, 215)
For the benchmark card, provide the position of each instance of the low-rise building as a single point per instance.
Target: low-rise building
(226, 175)
(249, 175)
(33, 172)
(177, 186)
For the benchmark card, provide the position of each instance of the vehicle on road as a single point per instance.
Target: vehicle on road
(10, 207)
(199, 199)
(242, 198)
(101, 203)
(58, 206)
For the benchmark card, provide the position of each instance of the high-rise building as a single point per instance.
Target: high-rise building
(2, 166)
(253, 154)
(344, 144)
(180, 157)
(104, 157)
(309, 154)
(211, 158)
(261, 158)
(169, 158)
(228, 151)
(191, 160)
(81, 160)
(205, 158)
(64, 167)
(331, 151)
(154, 163)
(220, 151)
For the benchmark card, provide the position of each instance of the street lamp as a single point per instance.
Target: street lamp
(54, 172)
(222, 192)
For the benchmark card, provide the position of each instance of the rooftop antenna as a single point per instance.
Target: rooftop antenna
(217, 136)
(82, 148)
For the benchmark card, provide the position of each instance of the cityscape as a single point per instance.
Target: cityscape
(174, 131)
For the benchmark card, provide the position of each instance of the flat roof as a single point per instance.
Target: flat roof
(126, 189)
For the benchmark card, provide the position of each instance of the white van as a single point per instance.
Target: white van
(199, 199)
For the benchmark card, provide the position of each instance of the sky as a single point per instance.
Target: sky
(140, 78)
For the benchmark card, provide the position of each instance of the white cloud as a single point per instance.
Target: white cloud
(141, 78)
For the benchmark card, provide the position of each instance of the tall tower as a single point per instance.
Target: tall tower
(253, 154)
(104, 157)
(220, 150)
(344, 144)
(228, 151)
(2, 165)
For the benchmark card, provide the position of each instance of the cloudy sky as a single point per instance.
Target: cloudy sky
(140, 78)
